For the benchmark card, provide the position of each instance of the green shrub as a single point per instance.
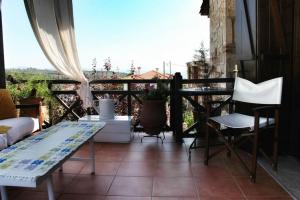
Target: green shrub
(23, 90)
(188, 118)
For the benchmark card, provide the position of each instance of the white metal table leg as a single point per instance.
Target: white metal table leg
(50, 188)
(3, 193)
(92, 155)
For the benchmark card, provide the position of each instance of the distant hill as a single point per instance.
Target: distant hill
(52, 74)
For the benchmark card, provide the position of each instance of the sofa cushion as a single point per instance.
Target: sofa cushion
(3, 136)
(8, 108)
(3, 141)
(20, 127)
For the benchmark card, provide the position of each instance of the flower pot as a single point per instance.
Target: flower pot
(153, 116)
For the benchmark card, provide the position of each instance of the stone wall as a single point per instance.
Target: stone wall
(222, 44)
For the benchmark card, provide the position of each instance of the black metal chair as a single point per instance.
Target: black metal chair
(236, 128)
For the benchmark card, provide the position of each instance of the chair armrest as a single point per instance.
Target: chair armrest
(266, 108)
(268, 112)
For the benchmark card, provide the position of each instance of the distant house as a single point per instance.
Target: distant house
(149, 75)
(194, 70)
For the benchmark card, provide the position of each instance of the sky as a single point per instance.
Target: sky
(145, 32)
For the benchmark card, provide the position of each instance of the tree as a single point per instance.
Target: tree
(200, 58)
(107, 65)
(94, 66)
(132, 68)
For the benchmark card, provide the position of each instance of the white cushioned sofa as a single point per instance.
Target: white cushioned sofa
(20, 127)
(15, 125)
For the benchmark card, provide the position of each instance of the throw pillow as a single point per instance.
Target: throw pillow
(7, 106)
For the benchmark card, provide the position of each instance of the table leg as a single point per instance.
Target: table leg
(50, 188)
(92, 155)
(3, 193)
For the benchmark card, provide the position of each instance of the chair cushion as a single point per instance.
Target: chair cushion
(237, 120)
(8, 108)
(20, 127)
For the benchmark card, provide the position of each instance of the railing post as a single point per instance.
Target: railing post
(178, 118)
(50, 105)
(172, 106)
(129, 99)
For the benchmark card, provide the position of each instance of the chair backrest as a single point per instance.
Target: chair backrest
(268, 92)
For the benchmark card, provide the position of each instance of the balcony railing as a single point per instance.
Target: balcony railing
(127, 93)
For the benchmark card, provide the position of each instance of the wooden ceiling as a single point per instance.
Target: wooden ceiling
(204, 10)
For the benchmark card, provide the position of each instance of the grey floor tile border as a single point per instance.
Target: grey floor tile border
(266, 166)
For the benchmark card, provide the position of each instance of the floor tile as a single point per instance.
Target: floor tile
(102, 168)
(173, 169)
(215, 171)
(137, 171)
(222, 187)
(131, 186)
(83, 152)
(113, 156)
(113, 147)
(33, 195)
(13, 192)
(197, 156)
(205, 197)
(173, 157)
(269, 198)
(88, 184)
(172, 147)
(264, 187)
(72, 167)
(173, 198)
(145, 147)
(61, 181)
(137, 168)
(141, 156)
(80, 197)
(127, 198)
(174, 187)
(236, 169)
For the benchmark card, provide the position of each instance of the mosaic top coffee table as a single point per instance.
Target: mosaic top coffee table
(33, 160)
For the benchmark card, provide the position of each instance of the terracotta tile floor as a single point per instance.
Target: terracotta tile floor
(151, 170)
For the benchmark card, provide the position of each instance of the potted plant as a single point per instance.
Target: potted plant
(153, 113)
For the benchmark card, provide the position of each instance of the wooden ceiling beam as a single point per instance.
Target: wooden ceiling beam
(2, 64)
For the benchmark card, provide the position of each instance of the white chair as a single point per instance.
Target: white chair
(236, 128)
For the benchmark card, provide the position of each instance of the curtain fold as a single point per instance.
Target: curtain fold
(53, 25)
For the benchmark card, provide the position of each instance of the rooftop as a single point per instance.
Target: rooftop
(149, 75)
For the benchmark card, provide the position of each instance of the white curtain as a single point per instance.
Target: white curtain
(53, 25)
